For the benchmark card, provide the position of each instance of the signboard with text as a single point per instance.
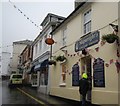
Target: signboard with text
(98, 73)
(87, 41)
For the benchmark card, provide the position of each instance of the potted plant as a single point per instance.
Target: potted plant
(110, 38)
(60, 58)
(51, 62)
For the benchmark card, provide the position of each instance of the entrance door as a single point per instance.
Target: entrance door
(86, 64)
(89, 73)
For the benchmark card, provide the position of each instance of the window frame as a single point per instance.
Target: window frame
(87, 21)
(63, 72)
(64, 36)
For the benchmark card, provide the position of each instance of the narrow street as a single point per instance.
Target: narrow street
(14, 96)
(26, 95)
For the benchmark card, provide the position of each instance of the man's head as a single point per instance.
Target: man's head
(84, 75)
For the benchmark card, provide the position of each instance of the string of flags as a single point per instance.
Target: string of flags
(107, 64)
(20, 11)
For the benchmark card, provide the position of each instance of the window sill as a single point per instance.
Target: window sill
(62, 85)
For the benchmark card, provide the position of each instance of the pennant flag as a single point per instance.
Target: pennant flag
(106, 64)
(14, 6)
(102, 43)
(74, 54)
(18, 9)
(78, 53)
(97, 49)
(118, 53)
(111, 61)
(117, 66)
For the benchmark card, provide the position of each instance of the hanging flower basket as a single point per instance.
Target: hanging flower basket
(49, 41)
(110, 38)
(60, 58)
(52, 62)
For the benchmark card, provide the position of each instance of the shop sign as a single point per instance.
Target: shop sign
(98, 73)
(87, 41)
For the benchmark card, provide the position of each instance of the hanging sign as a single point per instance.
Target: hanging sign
(87, 41)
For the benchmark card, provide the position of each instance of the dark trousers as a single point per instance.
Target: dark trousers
(84, 100)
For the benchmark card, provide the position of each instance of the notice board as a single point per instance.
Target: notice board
(98, 73)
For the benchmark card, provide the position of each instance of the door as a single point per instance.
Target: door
(86, 67)
(89, 73)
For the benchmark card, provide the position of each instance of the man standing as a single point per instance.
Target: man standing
(83, 88)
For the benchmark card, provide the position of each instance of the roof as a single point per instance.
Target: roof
(52, 15)
(27, 42)
(69, 17)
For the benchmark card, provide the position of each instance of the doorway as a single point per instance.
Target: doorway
(86, 67)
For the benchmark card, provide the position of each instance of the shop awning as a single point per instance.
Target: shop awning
(32, 70)
(37, 67)
(41, 66)
(44, 64)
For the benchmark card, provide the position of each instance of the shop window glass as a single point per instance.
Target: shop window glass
(63, 74)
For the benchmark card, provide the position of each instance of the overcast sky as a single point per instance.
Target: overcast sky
(15, 26)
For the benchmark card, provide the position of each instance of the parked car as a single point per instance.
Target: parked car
(15, 79)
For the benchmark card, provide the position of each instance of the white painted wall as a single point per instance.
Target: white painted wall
(102, 15)
(17, 50)
(5, 62)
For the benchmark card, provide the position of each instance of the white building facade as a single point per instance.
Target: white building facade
(18, 47)
(4, 63)
(41, 52)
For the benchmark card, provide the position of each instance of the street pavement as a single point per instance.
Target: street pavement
(29, 96)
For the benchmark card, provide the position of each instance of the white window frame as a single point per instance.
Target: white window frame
(87, 22)
(45, 45)
(63, 72)
(36, 48)
(40, 45)
(64, 36)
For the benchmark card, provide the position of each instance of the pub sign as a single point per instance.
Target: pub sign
(87, 41)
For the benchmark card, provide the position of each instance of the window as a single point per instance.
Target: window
(45, 45)
(40, 45)
(36, 48)
(63, 75)
(64, 36)
(44, 77)
(75, 75)
(87, 22)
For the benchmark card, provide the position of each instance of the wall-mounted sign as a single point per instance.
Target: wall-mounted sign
(87, 41)
(98, 73)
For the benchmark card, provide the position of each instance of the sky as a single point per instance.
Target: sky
(15, 26)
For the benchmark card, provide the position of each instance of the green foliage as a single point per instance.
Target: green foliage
(50, 62)
(110, 38)
(60, 58)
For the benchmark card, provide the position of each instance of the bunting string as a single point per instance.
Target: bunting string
(20, 11)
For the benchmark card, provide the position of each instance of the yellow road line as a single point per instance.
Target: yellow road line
(40, 102)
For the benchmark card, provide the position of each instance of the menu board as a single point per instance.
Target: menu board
(98, 73)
